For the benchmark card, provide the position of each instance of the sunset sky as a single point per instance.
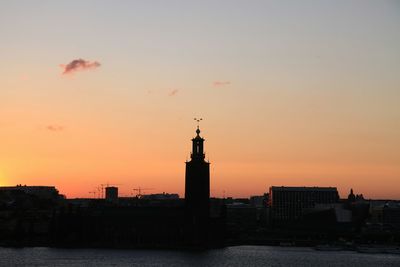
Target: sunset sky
(295, 93)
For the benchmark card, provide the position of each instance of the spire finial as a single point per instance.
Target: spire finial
(198, 124)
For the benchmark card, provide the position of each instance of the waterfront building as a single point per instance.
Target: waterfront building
(43, 192)
(197, 193)
(290, 203)
(161, 196)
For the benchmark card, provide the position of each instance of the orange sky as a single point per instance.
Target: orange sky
(291, 94)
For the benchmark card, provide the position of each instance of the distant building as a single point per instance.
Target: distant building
(43, 192)
(258, 201)
(112, 193)
(161, 196)
(290, 203)
(342, 214)
(385, 212)
(241, 218)
(351, 198)
(26, 213)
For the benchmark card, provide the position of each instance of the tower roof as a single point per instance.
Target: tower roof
(198, 128)
(197, 137)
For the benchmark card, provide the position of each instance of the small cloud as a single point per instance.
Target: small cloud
(78, 65)
(173, 92)
(221, 83)
(55, 128)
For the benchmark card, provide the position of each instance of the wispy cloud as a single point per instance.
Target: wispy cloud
(173, 92)
(221, 83)
(78, 65)
(55, 128)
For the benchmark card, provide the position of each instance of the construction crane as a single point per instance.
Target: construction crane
(94, 193)
(139, 191)
(99, 192)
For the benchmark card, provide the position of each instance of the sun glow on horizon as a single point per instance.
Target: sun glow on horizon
(3, 181)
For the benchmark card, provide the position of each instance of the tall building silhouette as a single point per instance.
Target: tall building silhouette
(197, 193)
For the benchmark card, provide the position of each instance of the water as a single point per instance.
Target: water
(231, 256)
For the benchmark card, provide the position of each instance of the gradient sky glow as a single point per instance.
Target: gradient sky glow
(303, 93)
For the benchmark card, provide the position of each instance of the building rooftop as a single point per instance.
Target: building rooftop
(302, 188)
(26, 186)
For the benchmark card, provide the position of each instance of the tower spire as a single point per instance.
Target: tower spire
(198, 149)
(198, 125)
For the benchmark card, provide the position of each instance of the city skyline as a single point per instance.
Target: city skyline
(299, 94)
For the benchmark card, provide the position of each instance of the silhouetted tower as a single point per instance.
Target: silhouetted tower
(351, 197)
(197, 193)
(112, 193)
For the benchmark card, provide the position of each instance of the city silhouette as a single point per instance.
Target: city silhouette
(290, 216)
(200, 133)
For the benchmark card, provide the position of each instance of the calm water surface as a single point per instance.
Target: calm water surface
(231, 256)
